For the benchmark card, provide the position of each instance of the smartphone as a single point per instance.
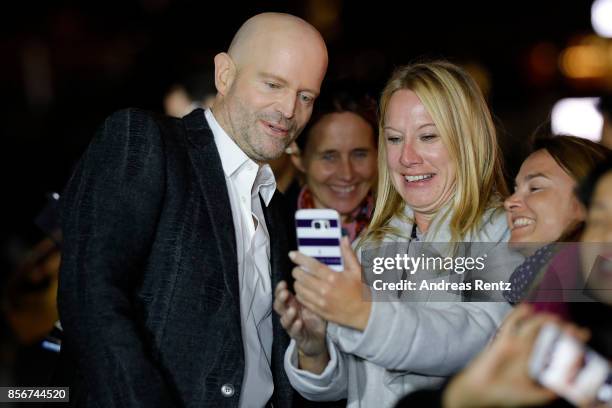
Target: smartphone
(318, 234)
(575, 372)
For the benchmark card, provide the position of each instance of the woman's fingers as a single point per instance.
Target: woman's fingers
(306, 279)
(295, 331)
(313, 307)
(313, 296)
(287, 306)
(310, 265)
(531, 327)
(306, 262)
(281, 298)
(514, 319)
(292, 323)
(579, 333)
(288, 317)
(282, 285)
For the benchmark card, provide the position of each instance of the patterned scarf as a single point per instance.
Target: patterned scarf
(525, 275)
(355, 222)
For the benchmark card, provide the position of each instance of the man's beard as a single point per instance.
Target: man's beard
(261, 146)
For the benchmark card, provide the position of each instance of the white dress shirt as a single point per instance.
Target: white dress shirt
(246, 181)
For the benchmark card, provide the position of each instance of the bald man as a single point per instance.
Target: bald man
(174, 236)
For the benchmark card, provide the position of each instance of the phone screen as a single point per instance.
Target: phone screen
(563, 364)
(318, 234)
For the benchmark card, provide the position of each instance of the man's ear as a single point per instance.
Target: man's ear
(225, 72)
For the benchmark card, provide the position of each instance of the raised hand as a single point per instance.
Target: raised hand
(338, 297)
(499, 376)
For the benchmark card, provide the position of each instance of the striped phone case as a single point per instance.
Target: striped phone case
(318, 235)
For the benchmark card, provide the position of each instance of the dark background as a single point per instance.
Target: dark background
(65, 66)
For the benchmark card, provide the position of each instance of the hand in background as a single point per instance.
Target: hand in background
(499, 376)
(338, 297)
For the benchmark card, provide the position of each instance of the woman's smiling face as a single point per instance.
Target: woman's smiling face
(421, 168)
(543, 207)
(340, 161)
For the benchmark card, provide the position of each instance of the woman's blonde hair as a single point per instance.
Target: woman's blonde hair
(460, 113)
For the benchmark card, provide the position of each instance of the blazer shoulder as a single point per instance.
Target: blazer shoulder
(139, 125)
(136, 116)
(130, 116)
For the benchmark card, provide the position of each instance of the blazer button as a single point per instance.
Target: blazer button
(227, 390)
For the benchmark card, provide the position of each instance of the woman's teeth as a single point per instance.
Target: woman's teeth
(519, 222)
(346, 189)
(420, 177)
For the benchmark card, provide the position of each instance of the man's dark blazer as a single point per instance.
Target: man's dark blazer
(148, 293)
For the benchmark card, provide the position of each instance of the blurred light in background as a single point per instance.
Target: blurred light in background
(588, 57)
(325, 16)
(601, 17)
(582, 61)
(542, 63)
(578, 117)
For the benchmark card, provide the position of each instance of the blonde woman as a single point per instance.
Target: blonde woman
(440, 181)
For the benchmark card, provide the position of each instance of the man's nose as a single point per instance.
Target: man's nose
(286, 104)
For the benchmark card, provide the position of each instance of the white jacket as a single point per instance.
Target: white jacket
(408, 345)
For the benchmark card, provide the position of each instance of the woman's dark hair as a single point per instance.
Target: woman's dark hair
(586, 188)
(576, 156)
(341, 97)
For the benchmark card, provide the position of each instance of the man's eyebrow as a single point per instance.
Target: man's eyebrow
(282, 81)
(273, 77)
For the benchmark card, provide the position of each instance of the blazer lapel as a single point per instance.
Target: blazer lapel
(280, 244)
(209, 173)
(278, 240)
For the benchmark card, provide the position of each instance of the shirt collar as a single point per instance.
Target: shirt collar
(233, 159)
(265, 183)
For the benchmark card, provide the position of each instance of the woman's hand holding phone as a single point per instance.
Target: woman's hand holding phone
(338, 297)
(499, 376)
